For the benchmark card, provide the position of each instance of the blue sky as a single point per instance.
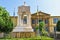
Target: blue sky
(48, 6)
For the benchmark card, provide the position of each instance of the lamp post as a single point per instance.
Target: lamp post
(37, 19)
(38, 23)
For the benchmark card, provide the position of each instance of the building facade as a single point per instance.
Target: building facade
(50, 21)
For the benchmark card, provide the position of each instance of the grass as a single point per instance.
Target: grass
(33, 38)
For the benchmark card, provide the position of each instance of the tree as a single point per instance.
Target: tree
(6, 25)
(41, 26)
(58, 25)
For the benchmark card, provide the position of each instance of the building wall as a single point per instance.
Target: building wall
(53, 22)
(35, 18)
(41, 17)
(14, 20)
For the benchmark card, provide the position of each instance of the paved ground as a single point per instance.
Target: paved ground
(56, 39)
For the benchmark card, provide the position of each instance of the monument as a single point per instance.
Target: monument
(23, 28)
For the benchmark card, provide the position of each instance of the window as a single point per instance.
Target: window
(46, 21)
(55, 20)
(38, 21)
(33, 21)
(25, 20)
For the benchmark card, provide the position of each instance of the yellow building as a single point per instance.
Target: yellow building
(50, 21)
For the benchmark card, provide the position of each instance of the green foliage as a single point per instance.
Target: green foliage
(33, 38)
(58, 25)
(2, 23)
(6, 24)
(44, 32)
(41, 26)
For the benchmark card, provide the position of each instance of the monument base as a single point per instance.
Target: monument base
(23, 34)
